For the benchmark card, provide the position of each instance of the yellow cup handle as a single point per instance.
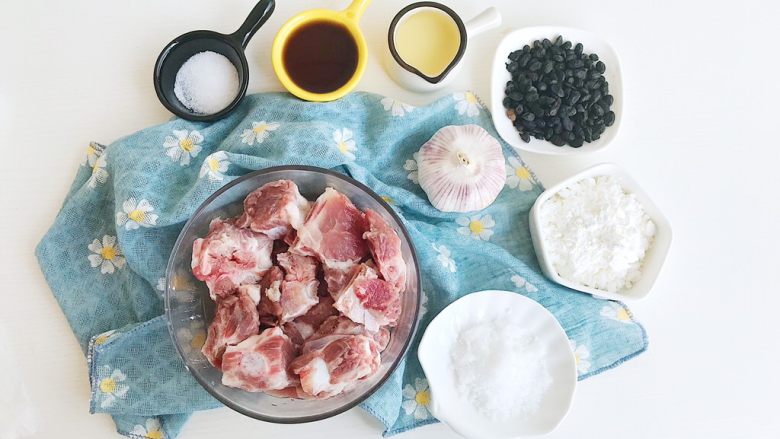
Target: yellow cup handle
(355, 10)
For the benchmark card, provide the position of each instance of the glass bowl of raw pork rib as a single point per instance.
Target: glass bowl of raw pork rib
(292, 293)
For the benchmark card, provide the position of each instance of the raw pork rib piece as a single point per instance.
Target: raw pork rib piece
(334, 364)
(299, 288)
(235, 320)
(333, 232)
(260, 362)
(304, 326)
(340, 325)
(297, 267)
(230, 256)
(337, 278)
(385, 246)
(369, 300)
(274, 209)
(270, 295)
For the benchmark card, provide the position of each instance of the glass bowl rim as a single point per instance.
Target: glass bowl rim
(402, 353)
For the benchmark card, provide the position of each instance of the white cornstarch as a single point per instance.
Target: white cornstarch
(596, 234)
(206, 83)
(500, 369)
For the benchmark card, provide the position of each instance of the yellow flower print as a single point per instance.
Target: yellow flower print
(396, 108)
(106, 254)
(411, 166)
(150, 430)
(109, 385)
(616, 312)
(467, 103)
(345, 143)
(521, 282)
(259, 132)
(214, 166)
(192, 338)
(388, 200)
(417, 399)
(99, 173)
(104, 337)
(136, 214)
(518, 176)
(183, 145)
(476, 226)
(581, 357)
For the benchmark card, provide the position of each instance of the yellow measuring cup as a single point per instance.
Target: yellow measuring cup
(333, 66)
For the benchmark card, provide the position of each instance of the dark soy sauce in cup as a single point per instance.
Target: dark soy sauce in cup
(320, 56)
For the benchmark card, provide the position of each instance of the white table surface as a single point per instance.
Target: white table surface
(700, 132)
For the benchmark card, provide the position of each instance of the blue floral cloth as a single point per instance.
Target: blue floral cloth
(105, 256)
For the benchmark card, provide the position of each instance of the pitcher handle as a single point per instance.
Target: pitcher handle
(488, 19)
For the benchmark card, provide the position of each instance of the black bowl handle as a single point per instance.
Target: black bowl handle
(259, 15)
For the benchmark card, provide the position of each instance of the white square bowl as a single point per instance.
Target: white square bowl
(654, 258)
(500, 76)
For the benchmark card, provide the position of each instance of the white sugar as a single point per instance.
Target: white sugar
(206, 83)
(500, 369)
(596, 234)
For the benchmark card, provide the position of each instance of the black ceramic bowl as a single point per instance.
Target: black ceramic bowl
(178, 51)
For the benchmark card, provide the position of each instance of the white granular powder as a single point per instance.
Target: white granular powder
(500, 369)
(596, 234)
(206, 83)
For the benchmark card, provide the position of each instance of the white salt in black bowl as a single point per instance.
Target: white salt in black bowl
(189, 308)
(653, 259)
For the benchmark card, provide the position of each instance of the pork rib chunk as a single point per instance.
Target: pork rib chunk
(260, 362)
(230, 256)
(385, 247)
(304, 326)
(235, 320)
(368, 300)
(340, 325)
(335, 364)
(275, 209)
(333, 232)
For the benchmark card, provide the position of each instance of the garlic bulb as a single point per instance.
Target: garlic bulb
(461, 168)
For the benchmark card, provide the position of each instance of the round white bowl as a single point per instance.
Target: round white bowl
(654, 258)
(446, 403)
(500, 76)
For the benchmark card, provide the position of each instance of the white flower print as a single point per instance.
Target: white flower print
(616, 312)
(106, 336)
(183, 145)
(161, 285)
(259, 132)
(444, 258)
(110, 385)
(345, 143)
(518, 176)
(581, 357)
(91, 155)
(521, 282)
(476, 226)
(423, 305)
(99, 173)
(106, 254)
(466, 103)
(416, 399)
(411, 166)
(192, 338)
(396, 108)
(150, 430)
(136, 214)
(214, 166)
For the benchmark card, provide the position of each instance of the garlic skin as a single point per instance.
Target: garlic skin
(461, 168)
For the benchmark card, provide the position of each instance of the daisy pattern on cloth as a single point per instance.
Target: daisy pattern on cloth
(109, 385)
(521, 282)
(193, 337)
(444, 257)
(106, 336)
(395, 107)
(416, 399)
(214, 166)
(183, 145)
(581, 357)
(467, 103)
(99, 173)
(160, 285)
(479, 227)
(150, 430)
(617, 312)
(345, 143)
(423, 305)
(411, 166)
(259, 132)
(136, 214)
(518, 176)
(92, 153)
(105, 254)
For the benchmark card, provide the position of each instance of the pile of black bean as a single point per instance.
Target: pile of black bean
(558, 93)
